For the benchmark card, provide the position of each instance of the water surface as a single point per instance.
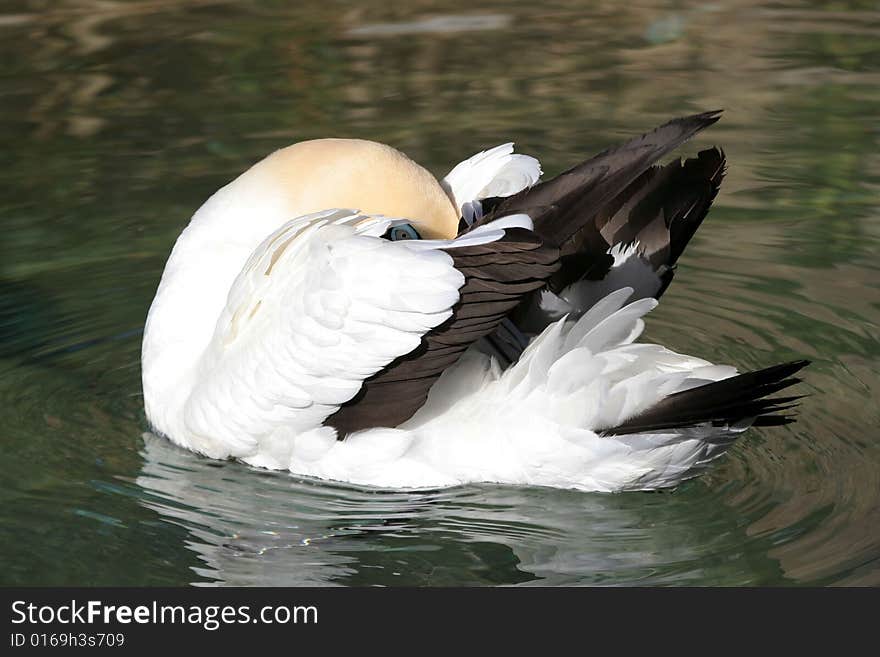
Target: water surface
(120, 118)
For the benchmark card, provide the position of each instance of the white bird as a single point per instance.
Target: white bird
(336, 312)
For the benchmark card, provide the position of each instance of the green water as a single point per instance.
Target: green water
(119, 118)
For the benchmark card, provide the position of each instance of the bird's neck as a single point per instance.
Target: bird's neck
(200, 271)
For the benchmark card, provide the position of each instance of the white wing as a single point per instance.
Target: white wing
(322, 304)
(495, 172)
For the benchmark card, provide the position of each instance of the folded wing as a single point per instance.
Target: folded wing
(322, 304)
(497, 274)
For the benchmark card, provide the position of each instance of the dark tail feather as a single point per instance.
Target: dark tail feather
(722, 402)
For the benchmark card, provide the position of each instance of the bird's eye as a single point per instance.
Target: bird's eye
(403, 232)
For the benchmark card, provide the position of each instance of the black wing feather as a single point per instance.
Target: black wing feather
(620, 196)
(497, 275)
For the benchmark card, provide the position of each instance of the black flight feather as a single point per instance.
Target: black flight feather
(497, 275)
(620, 196)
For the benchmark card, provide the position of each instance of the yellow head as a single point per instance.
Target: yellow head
(362, 175)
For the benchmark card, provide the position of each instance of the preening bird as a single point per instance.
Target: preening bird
(337, 312)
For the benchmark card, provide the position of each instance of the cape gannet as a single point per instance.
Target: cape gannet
(338, 312)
